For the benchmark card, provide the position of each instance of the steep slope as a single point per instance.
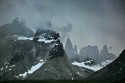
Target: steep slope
(57, 67)
(115, 71)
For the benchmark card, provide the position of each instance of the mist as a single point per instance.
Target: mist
(86, 22)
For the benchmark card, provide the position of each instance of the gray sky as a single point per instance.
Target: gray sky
(92, 22)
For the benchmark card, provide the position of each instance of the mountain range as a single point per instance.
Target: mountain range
(88, 52)
(25, 55)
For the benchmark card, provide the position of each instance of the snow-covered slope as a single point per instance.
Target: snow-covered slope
(45, 40)
(33, 69)
(94, 67)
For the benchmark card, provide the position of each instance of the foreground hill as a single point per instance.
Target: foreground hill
(113, 72)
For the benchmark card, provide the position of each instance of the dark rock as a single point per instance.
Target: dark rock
(113, 72)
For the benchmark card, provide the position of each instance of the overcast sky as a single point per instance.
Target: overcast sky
(90, 22)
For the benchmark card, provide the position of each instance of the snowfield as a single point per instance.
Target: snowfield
(31, 38)
(44, 40)
(33, 69)
(95, 67)
(25, 38)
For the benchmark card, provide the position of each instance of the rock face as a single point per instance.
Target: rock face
(93, 52)
(70, 51)
(89, 52)
(115, 71)
(105, 55)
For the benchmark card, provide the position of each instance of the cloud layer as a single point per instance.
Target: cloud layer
(90, 22)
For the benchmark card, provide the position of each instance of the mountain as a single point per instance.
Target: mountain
(71, 51)
(17, 27)
(39, 57)
(113, 72)
(89, 52)
(93, 52)
(19, 54)
(105, 55)
(58, 67)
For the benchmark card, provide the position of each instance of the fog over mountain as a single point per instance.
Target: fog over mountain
(87, 22)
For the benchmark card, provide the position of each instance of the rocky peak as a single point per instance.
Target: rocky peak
(105, 49)
(75, 49)
(68, 44)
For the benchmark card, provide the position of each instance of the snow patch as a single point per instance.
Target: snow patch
(33, 69)
(45, 40)
(31, 38)
(23, 75)
(95, 67)
(6, 63)
(45, 69)
(87, 62)
(9, 69)
(1, 68)
(25, 38)
(12, 66)
(79, 74)
(6, 67)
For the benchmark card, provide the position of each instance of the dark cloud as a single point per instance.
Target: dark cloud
(63, 30)
(94, 22)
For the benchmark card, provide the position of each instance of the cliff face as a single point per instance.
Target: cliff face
(71, 51)
(105, 55)
(89, 52)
